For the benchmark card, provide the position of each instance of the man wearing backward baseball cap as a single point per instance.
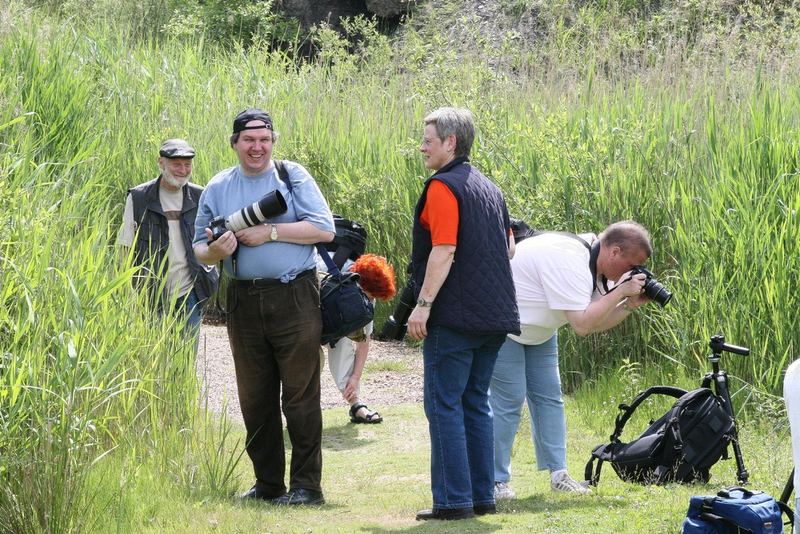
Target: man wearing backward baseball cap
(274, 323)
(158, 223)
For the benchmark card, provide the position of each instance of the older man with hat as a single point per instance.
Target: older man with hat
(274, 322)
(158, 223)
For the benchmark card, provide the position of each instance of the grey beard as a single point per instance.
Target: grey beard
(173, 180)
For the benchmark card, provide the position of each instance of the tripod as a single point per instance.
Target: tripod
(719, 378)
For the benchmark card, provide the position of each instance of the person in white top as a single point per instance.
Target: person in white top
(791, 394)
(347, 356)
(559, 279)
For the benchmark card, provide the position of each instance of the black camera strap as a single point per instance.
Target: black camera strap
(283, 174)
(329, 263)
(594, 252)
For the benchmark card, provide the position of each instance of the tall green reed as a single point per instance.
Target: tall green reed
(85, 365)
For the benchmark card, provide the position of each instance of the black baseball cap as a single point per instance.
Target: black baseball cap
(251, 114)
(176, 148)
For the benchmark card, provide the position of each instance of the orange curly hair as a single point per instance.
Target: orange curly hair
(377, 276)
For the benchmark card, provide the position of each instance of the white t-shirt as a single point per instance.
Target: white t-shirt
(551, 275)
(179, 276)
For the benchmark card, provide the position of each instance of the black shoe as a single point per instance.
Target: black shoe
(300, 496)
(255, 493)
(483, 509)
(445, 514)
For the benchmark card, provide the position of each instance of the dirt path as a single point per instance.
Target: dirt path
(393, 375)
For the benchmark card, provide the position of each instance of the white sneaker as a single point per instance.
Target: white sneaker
(563, 483)
(503, 492)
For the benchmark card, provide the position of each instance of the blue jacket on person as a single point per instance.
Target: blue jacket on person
(478, 295)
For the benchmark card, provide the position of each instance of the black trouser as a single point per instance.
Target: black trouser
(274, 331)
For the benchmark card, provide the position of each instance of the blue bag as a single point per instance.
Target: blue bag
(734, 510)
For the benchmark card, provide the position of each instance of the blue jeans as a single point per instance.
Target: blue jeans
(193, 312)
(458, 367)
(528, 371)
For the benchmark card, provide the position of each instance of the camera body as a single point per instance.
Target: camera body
(653, 289)
(269, 205)
(217, 227)
(521, 230)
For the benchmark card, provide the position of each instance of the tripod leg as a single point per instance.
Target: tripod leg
(721, 389)
(787, 490)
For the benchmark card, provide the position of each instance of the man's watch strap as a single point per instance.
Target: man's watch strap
(273, 233)
(422, 303)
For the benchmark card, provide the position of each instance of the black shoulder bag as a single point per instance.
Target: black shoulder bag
(344, 306)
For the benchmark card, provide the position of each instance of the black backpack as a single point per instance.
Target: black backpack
(345, 308)
(680, 446)
(350, 240)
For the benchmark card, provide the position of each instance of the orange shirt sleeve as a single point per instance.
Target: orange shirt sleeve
(440, 214)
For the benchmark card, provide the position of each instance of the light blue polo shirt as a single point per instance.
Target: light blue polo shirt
(231, 190)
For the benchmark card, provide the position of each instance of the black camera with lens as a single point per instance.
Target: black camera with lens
(397, 323)
(653, 289)
(269, 205)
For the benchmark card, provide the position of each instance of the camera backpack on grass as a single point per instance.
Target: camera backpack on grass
(680, 446)
(736, 510)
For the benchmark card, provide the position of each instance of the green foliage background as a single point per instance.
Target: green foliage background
(682, 115)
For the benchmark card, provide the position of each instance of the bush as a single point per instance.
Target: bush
(227, 21)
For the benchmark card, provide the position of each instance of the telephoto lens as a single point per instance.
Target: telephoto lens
(395, 327)
(269, 205)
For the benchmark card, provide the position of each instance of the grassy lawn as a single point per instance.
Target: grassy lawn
(376, 477)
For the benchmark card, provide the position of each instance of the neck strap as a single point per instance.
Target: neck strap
(594, 252)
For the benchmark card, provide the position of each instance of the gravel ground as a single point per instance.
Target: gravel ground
(393, 375)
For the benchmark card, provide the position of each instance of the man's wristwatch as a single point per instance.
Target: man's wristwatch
(422, 303)
(273, 234)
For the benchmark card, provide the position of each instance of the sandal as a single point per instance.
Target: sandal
(371, 418)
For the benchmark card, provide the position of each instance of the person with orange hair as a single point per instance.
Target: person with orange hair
(347, 357)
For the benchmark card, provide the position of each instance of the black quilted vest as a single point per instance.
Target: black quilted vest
(152, 236)
(478, 294)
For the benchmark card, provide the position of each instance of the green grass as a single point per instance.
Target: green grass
(387, 366)
(375, 478)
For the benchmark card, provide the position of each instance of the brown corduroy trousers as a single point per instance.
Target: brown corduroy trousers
(274, 333)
